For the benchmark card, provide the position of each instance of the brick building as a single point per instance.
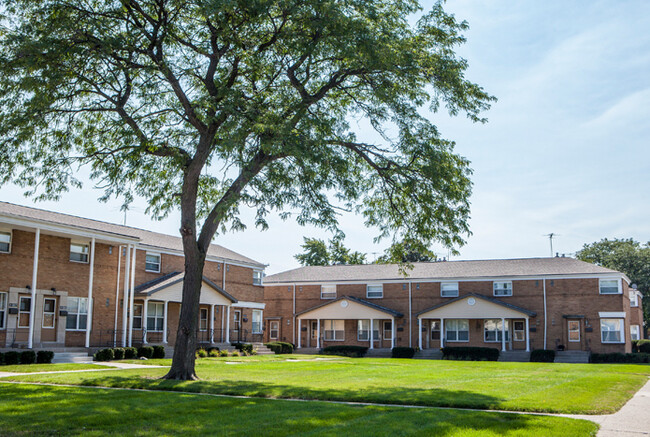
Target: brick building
(514, 305)
(67, 281)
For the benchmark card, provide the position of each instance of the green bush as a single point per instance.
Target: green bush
(470, 353)
(636, 358)
(214, 352)
(130, 353)
(12, 357)
(542, 356)
(346, 351)
(118, 353)
(223, 353)
(642, 346)
(2, 358)
(145, 352)
(104, 355)
(403, 352)
(44, 357)
(201, 353)
(280, 347)
(234, 354)
(159, 351)
(28, 357)
(246, 348)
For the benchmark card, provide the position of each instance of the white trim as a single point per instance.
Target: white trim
(91, 277)
(261, 273)
(618, 283)
(635, 334)
(207, 318)
(53, 313)
(11, 239)
(328, 292)
(506, 288)
(277, 330)
(20, 298)
(450, 283)
(375, 285)
(260, 321)
(568, 329)
(611, 315)
(244, 304)
(4, 310)
(77, 314)
(457, 331)
(32, 311)
(146, 254)
(621, 331)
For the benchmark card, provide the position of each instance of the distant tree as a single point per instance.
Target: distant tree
(318, 253)
(627, 256)
(404, 253)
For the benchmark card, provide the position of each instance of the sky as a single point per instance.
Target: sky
(565, 149)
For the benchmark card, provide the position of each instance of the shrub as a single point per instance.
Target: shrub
(2, 358)
(12, 357)
(542, 356)
(247, 348)
(223, 353)
(642, 346)
(346, 351)
(27, 357)
(44, 357)
(470, 353)
(145, 351)
(403, 352)
(201, 353)
(130, 353)
(274, 346)
(235, 354)
(159, 351)
(104, 355)
(214, 352)
(118, 353)
(636, 358)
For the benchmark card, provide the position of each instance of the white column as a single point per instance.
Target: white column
(299, 336)
(32, 303)
(125, 302)
(165, 322)
(223, 319)
(117, 294)
(527, 336)
(318, 333)
(392, 334)
(372, 337)
(89, 321)
(420, 333)
(227, 323)
(442, 332)
(144, 322)
(131, 293)
(212, 324)
(503, 334)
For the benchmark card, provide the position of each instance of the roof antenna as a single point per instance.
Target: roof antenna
(550, 239)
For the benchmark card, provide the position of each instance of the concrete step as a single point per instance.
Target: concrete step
(515, 356)
(263, 350)
(572, 356)
(307, 351)
(379, 353)
(72, 357)
(428, 354)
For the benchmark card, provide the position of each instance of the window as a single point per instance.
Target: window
(328, 292)
(152, 262)
(493, 332)
(49, 311)
(203, 319)
(137, 316)
(635, 332)
(257, 277)
(519, 331)
(388, 330)
(274, 329)
(3, 309)
(634, 298)
(334, 330)
(24, 309)
(77, 314)
(257, 321)
(236, 318)
(435, 330)
(5, 242)
(449, 289)
(573, 327)
(155, 316)
(502, 288)
(79, 252)
(374, 291)
(363, 331)
(457, 330)
(314, 330)
(611, 331)
(609, 286)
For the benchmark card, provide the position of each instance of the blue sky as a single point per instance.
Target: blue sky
(565, 149)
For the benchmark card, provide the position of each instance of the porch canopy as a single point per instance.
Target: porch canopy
(348, 308)
(475, 306)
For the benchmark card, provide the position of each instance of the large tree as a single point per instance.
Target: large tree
(317, 253)
(209, 106)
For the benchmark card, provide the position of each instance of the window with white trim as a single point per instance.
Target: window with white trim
(610, 286)
(257, 321)
(435, 330)
(334, 330)
(49, 312)
(5, 242)
(274, 329)
(503, 288)
(137, 316)
(3, 309)
(314, 329)
(79, 252)
(328, 291)
(363, 330)
(449, 289)
(518, 330)
(155, 316)
(493, 330)
(152, 262)
(611, 331)
(77, 314)
(457, 330)
(24, 309)
(374, 291)
(635, 332)
(634, 298)
(388, 329)
(257, 277)
(203, 319)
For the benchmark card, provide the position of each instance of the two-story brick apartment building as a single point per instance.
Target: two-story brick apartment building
(515, 304)
(71, 281)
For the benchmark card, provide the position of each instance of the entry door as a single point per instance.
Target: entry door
(48, 332)
(574, 335)
(236, 321)
(274, 329)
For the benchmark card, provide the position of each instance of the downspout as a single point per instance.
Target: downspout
(125, 300)
(410, 315)
(294, 314)
(32, 303)
(545, 322)
(117, 293)
(131, 294)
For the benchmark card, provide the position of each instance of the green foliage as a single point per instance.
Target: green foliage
(280, 347)
(235, 354)
(2, 358)
(214, 352)
(201, 353)
(223, 353)
(470, 353)
(246, 348)
(542, 356)
(145, 351)
(158, 351)
(403, 352)
(118, 353)
(130, 353)
(317, 253)
(641, 346)
(616, 357)
(346, 351)
(405, 253)
(104, 355)
(12, 357)
(28, 357)
(44, 357)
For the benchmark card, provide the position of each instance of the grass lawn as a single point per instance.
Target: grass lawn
(40, 410)
(543, 387)
(30, 368)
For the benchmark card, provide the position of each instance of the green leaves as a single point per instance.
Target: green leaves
(317, 253)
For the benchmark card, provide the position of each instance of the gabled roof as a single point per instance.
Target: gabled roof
(153, 240)
(372, 305)
(442, 270)
(170, 279)
(480, 296)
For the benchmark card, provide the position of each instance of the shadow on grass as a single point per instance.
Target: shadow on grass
(43, 410)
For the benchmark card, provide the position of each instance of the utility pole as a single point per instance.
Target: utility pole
(550, 239)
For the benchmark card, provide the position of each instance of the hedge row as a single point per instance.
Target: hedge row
(636, 358)
(542, 356)
(280, 347)
(346, 351)
(642, 346)
(246, 348)
(403, 352)
(470, 353)
(26, 357)
(129, 353)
